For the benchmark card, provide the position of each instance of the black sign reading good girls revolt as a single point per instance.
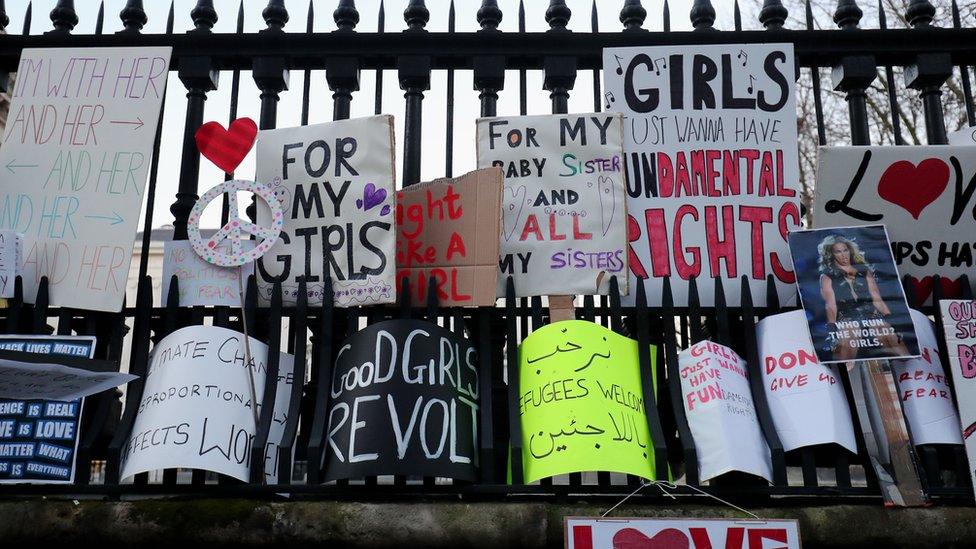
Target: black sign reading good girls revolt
(404, 401)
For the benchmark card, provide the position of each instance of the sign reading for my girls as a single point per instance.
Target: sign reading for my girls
(563, 206)
(335, 184)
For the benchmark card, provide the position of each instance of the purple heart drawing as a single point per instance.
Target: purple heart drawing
(372, 197)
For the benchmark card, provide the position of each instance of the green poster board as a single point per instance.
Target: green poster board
(581, 402)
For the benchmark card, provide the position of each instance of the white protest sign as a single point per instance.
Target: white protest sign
(11, 247)
(44, 381)
(669, 533)
(720, 411)
(75, 155)
(564, 201)
(196, 410)
(923, 195)
(965, 136)
(924, 390)
(335, 182)
(805, 398)
(201, 282)
(712, 168)
(959, 321)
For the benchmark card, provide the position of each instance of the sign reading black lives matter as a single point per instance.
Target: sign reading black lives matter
(335, 184)
(404, 401)
(711, 160)
(852, 295)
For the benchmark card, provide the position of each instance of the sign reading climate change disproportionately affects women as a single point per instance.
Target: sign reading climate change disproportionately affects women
(805, 398)
(711, 160)
(335, 184)
(959, 320)
(923, 195)
(39, 438)
(721, 414)
(196, 410)
(581, 402)
(404, 401)
(75, 157)
(924, 390)
(564, 204)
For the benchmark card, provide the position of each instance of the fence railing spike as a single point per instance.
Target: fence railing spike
(773, 14)
(489, 15)
(204, 16)
(848, 14)
(558, 14)
(416, 15)
(632, 15)
(100, 18)
(702, 15)
(346, 16)
(275, 15)
(920, 13)
(133, 16)
(64, 17)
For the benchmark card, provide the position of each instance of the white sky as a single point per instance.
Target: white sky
(320, 110)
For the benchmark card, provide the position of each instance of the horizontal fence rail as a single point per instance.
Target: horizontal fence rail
(932, 54)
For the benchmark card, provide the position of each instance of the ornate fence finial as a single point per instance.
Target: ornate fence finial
(4, 20)
(702, 15)
(346, 15)
(63, 16)
(275, 15)
(558, 14)
(204, 15)
(632, 15)
(920, 13)
(773, 14)
(416, 15)
(489, 15)
(848, 14)
(133, 16)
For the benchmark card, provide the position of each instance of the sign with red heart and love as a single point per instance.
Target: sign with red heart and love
(669, 533)
(226, 148)
(923, 195)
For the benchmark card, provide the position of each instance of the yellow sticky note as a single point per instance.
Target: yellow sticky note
(581, 402)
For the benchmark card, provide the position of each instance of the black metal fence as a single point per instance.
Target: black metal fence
(930, 56)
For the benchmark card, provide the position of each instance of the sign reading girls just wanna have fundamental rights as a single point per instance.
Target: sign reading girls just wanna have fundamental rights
(74, 162)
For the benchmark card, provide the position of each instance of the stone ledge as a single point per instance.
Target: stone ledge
(238, 522)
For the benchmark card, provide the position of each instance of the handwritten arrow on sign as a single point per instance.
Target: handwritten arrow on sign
(11, 166)
(115, 218)
(137, 122)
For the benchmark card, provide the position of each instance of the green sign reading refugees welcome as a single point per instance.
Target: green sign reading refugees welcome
(581, 402)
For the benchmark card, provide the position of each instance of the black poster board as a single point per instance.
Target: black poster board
(403, 401)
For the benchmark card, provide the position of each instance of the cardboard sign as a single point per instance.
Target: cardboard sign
(721, 414)
(621, 533)
(924, 390)
(75, 156)
(712, 168)
(852, 294)
(805, 398)
(582, 402)
(196, 410)
(959, 320)
(923, 195)
(201, 282)
(335, 182)
(11, 249)
(965, 136)
(404, 400)
(564, 204)
(447, 230)
(39, 438)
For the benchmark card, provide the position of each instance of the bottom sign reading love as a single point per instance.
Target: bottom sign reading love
(404, 402)
(592, 533)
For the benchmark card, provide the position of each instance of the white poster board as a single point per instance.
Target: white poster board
(47, 381)
(965, 136)
(201, 282)
(711, 158)
(669, 533)
(196, 409)
(75, 157)
(920, 195)
(959, 321)
(720, 411)
(924, 390)
(564, 201)
(805, 398)
(11, 248)
(335, 182)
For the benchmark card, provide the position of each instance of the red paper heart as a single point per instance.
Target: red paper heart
(913, 188)
(923, 287)
(669, 538)
(226, 148)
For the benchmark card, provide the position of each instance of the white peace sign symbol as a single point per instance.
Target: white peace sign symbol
(207, 249)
